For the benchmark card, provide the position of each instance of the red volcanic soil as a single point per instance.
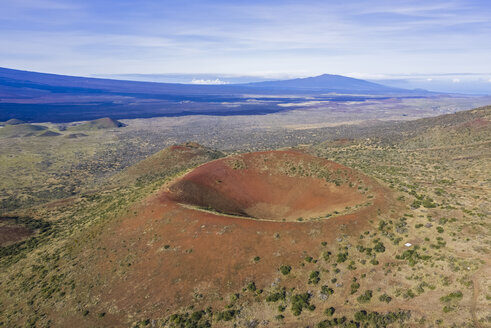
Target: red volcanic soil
(270, 186)
(478, 123)
(164, 257)
(10, 234)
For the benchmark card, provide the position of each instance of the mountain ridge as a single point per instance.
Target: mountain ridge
(308, 83)
(42, 97)
(331, 82)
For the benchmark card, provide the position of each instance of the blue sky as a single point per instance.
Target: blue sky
(268, 38)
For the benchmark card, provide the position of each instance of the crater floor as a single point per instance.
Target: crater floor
(276, 186)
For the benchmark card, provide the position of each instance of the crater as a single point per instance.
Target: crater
(274, 186)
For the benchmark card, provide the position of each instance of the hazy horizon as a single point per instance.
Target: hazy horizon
(465, 83)
(457, 83)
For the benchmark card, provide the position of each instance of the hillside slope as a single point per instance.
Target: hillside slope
(166, 162)
(21, 130)
(416, 254)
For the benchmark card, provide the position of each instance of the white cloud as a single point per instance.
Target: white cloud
(456, 80)
(368, 76)
(201, 81)
(489, 80)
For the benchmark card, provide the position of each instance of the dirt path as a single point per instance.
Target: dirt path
(475, 283)
(476, 292)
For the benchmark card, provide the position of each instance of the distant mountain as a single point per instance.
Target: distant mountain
(330, 83)
(101, 123)
(49, 134)
(43, 82)
(40, 97)
(14, 121)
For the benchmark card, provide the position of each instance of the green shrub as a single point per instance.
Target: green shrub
(226, 315)
(447, 309)
(300, 302)
(365, 297)
(326, 255)
(285, 269)
(412, 256)
(251, 286)
(342, 257)
(330, 311)
(314, 277)
(428, 203)
(409, 294)
(354, 287)
(367, 319)
(196, 316)
(325, 290)
(234, 297)
(379, 247)
(385, 298)
(278, 296)
(452, 296)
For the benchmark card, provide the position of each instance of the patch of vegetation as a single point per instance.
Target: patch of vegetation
(385, 298)
(326, 291)
(299, 302)
(367, 319)
(226, 315)
(314, 277)
(379, 247)
(329, 311)
(342, 257)
(452, 296)
(285, 269)
(277, 296)
(200, 319)
(412, 256)
(251, 286)
(381, 320)
(326, 255)
(354, 287)
(365, 297)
